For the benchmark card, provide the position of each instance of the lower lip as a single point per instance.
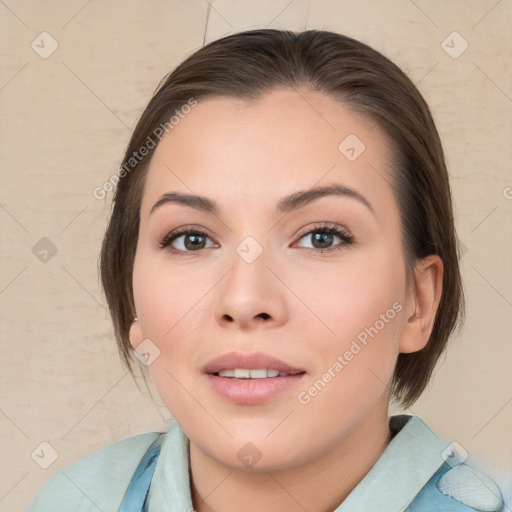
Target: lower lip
(252, 391)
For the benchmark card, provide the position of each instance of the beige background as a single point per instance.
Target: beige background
(65, 121)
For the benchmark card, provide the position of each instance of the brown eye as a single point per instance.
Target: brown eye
(322, 238)
(186, 240)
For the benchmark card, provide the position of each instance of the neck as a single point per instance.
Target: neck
(320, 485)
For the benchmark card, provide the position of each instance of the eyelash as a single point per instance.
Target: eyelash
(346, 238)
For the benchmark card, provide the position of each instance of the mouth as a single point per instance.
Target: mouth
(256, 373)
(251, 379)
(258, 365)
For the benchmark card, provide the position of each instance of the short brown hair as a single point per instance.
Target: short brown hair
(248, 65)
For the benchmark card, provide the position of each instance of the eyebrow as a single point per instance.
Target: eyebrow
(287, 204)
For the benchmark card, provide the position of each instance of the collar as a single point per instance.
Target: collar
(170, 487)
(414, 441)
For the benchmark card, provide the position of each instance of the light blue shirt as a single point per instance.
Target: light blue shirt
(418, 472)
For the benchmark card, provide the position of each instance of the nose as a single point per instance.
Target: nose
(251, 295)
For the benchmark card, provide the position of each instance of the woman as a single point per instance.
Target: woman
(281, 254)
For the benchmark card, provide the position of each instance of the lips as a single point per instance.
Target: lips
(252, 379)
(259, 361)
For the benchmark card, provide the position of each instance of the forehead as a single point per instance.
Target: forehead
(254, 153)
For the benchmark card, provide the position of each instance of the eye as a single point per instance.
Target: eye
(186, 240)
(323, 237)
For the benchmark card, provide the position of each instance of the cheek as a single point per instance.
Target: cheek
(174, 310)
(170, 312)
(167, 299)
(364, 311)
(361, 306)
(352, 295)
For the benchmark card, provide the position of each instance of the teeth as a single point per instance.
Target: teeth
(243, 373)
(258, 374)
(227, 373)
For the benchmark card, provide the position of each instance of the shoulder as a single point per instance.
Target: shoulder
(95, 482)
(461, 488)
(442, 478)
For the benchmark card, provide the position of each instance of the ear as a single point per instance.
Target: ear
(136, 336)
(422, 302)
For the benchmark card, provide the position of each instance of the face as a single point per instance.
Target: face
(311, 288)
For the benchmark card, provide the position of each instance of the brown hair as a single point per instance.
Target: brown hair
(248, 65)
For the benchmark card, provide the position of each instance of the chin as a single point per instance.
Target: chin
(258, 453)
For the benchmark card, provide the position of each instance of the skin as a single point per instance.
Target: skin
(201, 304)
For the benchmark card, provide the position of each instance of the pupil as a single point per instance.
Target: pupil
(324, 239)
(194, 244)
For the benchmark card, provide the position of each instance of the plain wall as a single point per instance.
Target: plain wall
(65, 121)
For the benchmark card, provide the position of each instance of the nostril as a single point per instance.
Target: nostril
(265, 316)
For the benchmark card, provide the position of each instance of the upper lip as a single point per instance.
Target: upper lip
(238, 360)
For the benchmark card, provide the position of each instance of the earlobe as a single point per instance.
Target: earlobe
(136, 335)
(422, 303)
